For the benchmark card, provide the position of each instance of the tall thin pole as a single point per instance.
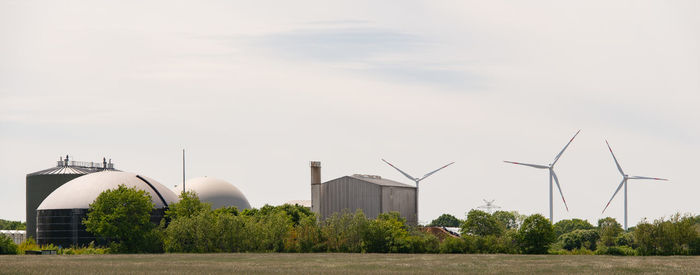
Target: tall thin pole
(183, 170)
(625, 204)
(551, 211)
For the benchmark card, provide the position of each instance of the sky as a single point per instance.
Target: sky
(254, 90)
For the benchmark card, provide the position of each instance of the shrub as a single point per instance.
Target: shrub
(454, 245)
(7, 246)
(28, 244)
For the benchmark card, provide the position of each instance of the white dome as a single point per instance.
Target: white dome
(218, 193)
(82, 191)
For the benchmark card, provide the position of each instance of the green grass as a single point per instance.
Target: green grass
(345, 263)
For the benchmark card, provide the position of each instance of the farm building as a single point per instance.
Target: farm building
(373, 194)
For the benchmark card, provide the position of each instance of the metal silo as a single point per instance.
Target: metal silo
(60, 215)
(40, 184)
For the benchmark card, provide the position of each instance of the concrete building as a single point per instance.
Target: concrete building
(372, 194)
(60, 215)
(40, 184)
(217, 192)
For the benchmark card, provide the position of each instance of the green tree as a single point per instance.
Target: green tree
(188, 206)
(12, 225)
(123, 217)
(566, 226)
(344, 232)
(580, 238)
(386, 234)
(296, 212)
(508, 219)
(446, 220)
(679, 235)
(609, 229)
(536, 234)
(481, 223)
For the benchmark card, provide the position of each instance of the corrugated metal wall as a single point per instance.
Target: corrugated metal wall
(400, 199)
(351, 194)
(348, 193)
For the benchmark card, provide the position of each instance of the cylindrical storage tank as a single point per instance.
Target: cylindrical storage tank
(40, 184)
(217, 192)
(60, 215)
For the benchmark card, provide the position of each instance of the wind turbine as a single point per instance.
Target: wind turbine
(552, 175)
(625, 177)
(417, 180)
(489, 206)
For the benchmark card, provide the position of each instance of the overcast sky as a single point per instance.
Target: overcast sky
(254, 90)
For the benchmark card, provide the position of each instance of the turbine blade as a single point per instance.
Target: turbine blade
(562, 150)
(614, 158)
(527, 164)
(644, 178)
(433, 172)
(556, 180)
(613, 196)
(402, 172)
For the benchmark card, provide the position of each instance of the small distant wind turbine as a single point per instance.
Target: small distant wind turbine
(552, 175)
(625, 177)
(417, 180)
(489, 206)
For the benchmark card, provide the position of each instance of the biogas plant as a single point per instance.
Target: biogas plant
(58, 198)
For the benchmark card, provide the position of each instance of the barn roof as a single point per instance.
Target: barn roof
(380, 181)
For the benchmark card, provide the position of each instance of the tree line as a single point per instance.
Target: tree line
(120, 219)
(12, 225)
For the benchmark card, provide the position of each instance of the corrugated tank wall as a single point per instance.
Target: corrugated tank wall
(38, 187)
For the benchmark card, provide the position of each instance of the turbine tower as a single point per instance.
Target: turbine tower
(625, 177)
(417, 180)
(489, 206)
(552, 175)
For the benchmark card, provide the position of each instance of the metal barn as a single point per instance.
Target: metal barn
(372, 194)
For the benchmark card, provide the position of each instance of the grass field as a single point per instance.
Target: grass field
(344, 263)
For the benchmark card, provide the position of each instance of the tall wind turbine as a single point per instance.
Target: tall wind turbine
(417, 180)
(625, 177)
(552, 175)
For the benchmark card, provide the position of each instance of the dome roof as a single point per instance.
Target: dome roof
(218, 193)
(82, 191)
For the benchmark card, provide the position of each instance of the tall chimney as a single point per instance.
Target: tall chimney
(316, 187)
